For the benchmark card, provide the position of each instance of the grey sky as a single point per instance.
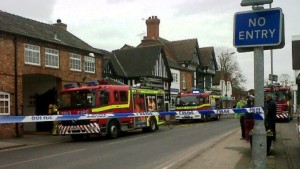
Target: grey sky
(109, 24)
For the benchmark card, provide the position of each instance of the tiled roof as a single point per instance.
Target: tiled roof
(136, 62)
(21, 26)
(183, 50)
(207, 56)
(106, 56)
(173, 64)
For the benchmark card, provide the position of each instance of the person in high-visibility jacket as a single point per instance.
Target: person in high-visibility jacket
(53, 111)
(241, 116)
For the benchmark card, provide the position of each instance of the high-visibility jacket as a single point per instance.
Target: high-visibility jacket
(239, 105)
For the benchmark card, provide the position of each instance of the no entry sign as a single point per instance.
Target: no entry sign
(258, 28)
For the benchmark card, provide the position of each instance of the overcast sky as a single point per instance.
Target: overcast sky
(109, 24)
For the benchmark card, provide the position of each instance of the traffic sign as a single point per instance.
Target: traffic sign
(255, 2)
(258, 28)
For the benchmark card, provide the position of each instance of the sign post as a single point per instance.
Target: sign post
(259, 137)
(254, 31)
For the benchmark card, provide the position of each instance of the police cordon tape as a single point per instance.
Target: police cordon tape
(258, 114)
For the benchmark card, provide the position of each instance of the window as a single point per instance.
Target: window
(4, 103)
(123, 95)
(32, 55)
(103, 97)
(175, 77)
(183, 82)
(52, 58)
(89, 64)
(116, 94)
(75, 61)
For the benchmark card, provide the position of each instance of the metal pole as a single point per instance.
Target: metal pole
(271, 52)
(259, 137)
(272, 65)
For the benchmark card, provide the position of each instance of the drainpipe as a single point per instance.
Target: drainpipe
(16, 84)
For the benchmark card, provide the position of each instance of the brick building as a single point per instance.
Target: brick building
(189, 68)
(37, 59)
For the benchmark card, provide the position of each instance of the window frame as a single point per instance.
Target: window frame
(76, 58)
(175, 77)
(4, 106)
(51, 53)
(89, 64)
(33, 53)
(183, 82)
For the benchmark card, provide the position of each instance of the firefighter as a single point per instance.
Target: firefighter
(53, 111)
(271, 115)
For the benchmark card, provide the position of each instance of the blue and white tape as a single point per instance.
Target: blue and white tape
(258, 114)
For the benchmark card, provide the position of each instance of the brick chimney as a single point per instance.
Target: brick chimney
(60, 24)
(152, 27)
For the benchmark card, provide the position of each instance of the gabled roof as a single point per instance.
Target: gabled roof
(106, 56)
(183, 50)
(174, 65)
(21, 26)
(127, 47)
(208, 55)
(137, 62)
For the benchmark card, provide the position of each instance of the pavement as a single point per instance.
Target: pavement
(226, 152)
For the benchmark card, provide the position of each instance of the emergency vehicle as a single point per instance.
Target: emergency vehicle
(99, 97)
(188, 105)
(282, 97)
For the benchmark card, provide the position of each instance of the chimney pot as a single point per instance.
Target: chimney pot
(60, 24)
(153, 27)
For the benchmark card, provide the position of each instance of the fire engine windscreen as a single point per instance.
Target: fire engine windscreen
(80, 99)
(279, 95)
(188, 101)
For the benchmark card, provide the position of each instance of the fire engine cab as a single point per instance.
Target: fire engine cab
(99, 97)
(282, 97)
(189, 104)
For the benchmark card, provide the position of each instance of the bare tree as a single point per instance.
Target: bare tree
(285, 79)
(230, 67)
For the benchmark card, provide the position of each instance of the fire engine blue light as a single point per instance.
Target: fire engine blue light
(70, 85)
(92, 83)
(197, 90)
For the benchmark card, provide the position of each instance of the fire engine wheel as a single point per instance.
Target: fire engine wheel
(152, 125)
(218, 117)
(113, 130)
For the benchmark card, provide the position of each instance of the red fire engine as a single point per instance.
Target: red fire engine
(99, 97)
(282, 97)
(188, 105)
